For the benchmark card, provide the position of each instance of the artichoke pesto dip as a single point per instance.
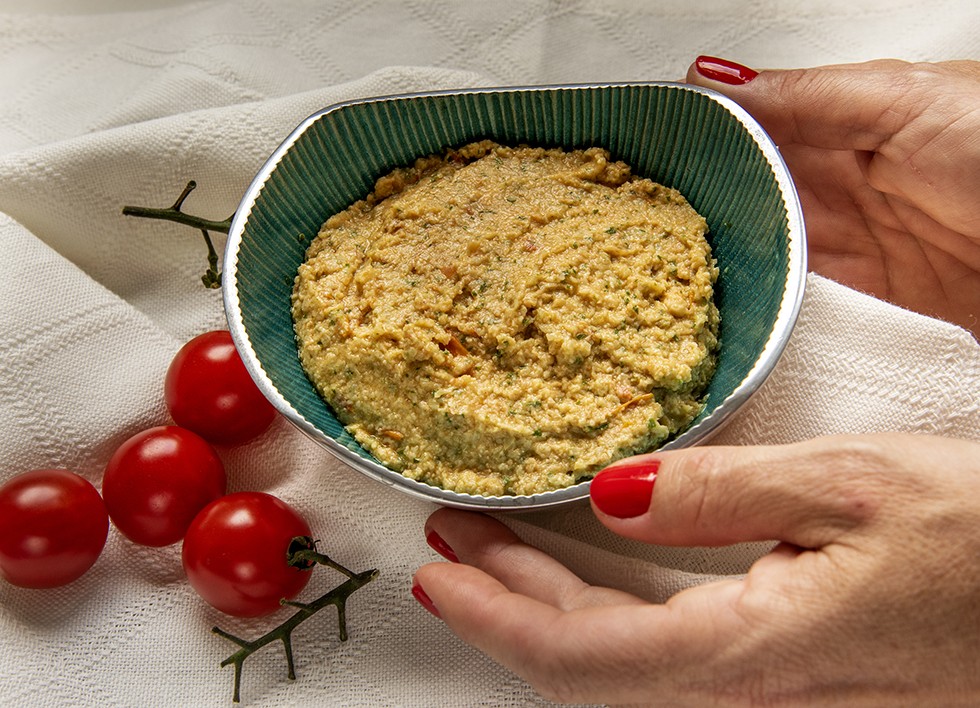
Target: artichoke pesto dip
(509, 320)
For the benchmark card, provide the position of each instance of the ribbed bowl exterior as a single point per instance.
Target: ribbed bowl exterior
(694, 140)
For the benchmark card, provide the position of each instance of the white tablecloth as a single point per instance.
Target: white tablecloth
(105, 105)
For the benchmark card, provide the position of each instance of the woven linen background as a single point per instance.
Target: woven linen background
(112, 103)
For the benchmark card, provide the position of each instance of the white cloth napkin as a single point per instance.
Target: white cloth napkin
(109, 106)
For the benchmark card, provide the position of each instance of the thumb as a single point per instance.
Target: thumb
(808, 494)
(843, 107)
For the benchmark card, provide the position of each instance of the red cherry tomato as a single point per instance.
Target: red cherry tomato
(158, 480)
(235, 551)
(209, 390)
(53, 526)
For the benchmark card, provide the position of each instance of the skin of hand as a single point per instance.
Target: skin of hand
(886, 158)
(872, 596)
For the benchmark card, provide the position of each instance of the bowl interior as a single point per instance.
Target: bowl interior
(687, 138)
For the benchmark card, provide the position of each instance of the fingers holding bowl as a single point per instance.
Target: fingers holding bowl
(572, 642)
(480, 541)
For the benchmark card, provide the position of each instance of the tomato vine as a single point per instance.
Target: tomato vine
(212, 276)
(302, 553)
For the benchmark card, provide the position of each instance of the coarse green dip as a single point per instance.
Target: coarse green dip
(509, 320)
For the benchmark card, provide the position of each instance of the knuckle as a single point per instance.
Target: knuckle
(853, 478)
(564, 667)
(551, 676)
(700, 486)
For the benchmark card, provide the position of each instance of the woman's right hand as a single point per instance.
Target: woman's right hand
(886, 157)
(870, 600)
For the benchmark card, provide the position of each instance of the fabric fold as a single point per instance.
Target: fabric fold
(129, 107)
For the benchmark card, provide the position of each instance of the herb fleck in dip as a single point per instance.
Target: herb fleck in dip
(503, 320)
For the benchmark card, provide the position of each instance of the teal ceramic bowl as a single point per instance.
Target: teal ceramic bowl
(695, 140)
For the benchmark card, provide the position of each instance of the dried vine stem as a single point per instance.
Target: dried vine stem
(302, 555)
(212, 277)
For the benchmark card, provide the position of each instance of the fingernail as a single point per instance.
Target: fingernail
(424, 599)
(625, 490)
(727, 72)
(439, 545)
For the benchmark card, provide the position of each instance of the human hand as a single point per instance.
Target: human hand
(872, 598)
(886, 157)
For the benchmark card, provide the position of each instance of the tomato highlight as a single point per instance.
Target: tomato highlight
(208, 390)
(53, 527)
(235, 553)
(158, 480)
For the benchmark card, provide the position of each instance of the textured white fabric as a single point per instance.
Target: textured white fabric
(105, 105)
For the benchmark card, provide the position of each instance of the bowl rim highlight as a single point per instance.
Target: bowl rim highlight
(701, 431)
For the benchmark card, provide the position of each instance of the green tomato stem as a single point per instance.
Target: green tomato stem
(302, 554)
(212, 277)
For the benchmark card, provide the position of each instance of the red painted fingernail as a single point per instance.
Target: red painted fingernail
(440, 546)
(625, 490)
(727, 72)
(424, 599)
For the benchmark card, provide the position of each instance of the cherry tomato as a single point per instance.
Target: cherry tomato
(235, 551)
(53, 526)
(209, 390)
(158, 480)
